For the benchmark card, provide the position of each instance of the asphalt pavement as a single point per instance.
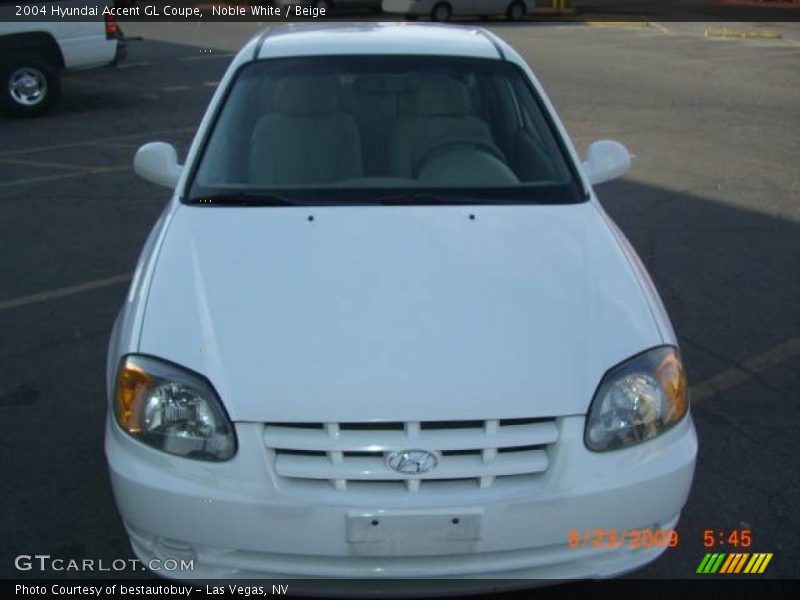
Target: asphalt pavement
(712, 205)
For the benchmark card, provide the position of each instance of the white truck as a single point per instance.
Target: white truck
(36, 46)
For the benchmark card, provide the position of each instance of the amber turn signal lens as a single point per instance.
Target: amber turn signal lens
(132, 383)
(672, 377)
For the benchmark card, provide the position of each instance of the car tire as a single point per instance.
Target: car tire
(441, 13)
(516, 11)
(29, 85)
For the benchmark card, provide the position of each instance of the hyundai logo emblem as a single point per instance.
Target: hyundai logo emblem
(413, 462)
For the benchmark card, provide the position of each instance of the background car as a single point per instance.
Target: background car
(332, 5)
(443, 10)
(34, 52)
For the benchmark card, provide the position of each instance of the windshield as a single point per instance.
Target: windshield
(350, 130)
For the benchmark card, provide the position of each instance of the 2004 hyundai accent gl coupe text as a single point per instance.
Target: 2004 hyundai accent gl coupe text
(384, 328)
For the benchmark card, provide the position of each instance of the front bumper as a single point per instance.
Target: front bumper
(235, 520)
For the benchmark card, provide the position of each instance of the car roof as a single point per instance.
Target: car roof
(372, 38)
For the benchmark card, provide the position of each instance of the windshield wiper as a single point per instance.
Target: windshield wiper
(244, 199)
(425, 199)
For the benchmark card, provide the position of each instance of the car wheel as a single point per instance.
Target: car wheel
(441, 12)
(516, 11)
(30, 85)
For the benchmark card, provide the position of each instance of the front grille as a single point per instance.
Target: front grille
(354, 455)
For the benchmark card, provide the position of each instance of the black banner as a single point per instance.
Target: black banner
(372, 10)
(620, 588)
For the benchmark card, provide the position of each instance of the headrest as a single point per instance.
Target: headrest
(442, 97)
(307, 94)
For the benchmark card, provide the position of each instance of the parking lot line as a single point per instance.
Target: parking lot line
(69, 290)
(743, 33)
(44, 178)
(625, 24)
(660, 27)
(207, 56)
(47, 165)
(90, 142)
(125, 145)
(131, 65)
(749, 369)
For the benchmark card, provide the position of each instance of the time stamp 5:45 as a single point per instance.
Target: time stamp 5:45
(733, 538)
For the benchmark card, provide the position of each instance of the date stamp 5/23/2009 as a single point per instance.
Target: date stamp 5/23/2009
(622, 538)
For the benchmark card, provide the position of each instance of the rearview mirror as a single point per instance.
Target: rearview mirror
(606, 160)
(157, 162)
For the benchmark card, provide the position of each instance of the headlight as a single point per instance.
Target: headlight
(172, 409)
(637, 400)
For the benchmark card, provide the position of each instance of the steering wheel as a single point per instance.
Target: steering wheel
(448, 145)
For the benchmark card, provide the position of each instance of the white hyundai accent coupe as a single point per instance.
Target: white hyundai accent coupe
(384, 329)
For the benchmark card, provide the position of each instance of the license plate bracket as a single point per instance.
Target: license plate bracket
(411, 532)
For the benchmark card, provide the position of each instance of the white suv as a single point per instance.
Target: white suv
(34, 51)
(385, 329)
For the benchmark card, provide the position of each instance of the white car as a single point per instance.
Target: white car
(34, 50)
(329, 6)
(443, 10)
(384, 329)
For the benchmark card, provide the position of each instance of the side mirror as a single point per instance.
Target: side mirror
(606, 160)
(157, 162)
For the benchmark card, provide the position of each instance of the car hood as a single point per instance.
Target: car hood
(341, 314)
